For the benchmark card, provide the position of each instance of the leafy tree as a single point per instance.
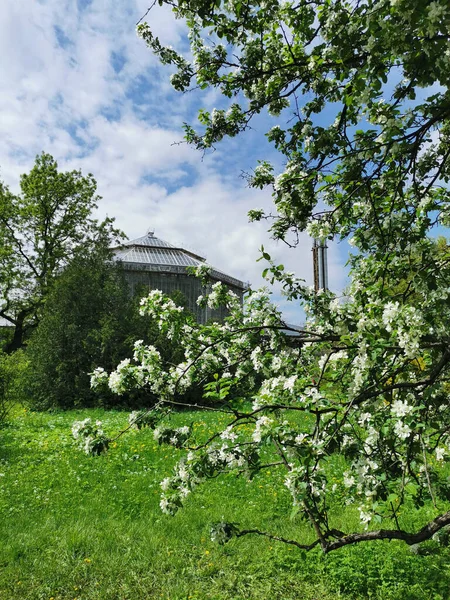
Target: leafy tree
(88, 319)
(362, 88)
(41, 230)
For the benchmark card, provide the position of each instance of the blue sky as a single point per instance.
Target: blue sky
(76, 81)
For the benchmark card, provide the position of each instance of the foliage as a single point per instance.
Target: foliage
(88, 319)
(363, 90)
(75, 526)
(90, 436)
(12, 369)
(41, 230)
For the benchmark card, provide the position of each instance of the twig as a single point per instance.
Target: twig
(148, 10)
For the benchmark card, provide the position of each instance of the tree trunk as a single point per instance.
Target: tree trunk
(17, 341)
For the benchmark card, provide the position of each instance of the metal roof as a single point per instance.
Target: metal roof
(156, 256)
(149, 240)
(151, 253)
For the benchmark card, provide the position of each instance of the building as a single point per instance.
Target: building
(152, 263)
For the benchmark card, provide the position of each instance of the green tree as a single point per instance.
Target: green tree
(361, 91)
(89, 319)
(41, 230)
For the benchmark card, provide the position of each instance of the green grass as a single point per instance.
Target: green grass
(73, 526)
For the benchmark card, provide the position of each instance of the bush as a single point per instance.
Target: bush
(12, 372)
(88, 319)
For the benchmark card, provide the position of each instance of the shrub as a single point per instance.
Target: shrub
(88, 320)
(12, 371)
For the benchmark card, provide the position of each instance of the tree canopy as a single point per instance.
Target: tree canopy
(41, 230)
(360, 90)
(354, 408)
(89, 318)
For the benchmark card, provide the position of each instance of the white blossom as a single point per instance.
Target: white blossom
(440, 453)
(402, 430)
(401, 408)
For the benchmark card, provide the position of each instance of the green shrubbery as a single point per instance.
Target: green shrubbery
(90, 319)
(12, 369)
(87, 320)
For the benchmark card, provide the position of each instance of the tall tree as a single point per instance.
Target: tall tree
(89, 318)
(361, 90)
(41, 230)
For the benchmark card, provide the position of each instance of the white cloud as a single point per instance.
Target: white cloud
(121, 126)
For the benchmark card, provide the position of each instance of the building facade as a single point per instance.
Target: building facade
(151, 263)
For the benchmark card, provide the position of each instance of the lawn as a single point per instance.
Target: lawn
(80, 527)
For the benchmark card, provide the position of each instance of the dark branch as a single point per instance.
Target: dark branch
(341, 539)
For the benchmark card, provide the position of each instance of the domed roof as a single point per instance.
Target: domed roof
(148, 240)
(151, 253)
(150, 250)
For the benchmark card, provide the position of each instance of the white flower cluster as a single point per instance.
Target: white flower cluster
(99, 378)
(229, 434)
(390, 314)
(220, 295)
(175, 437)
(364, 482)
(402, 430)
(159, 307)
(90, 436)
(360, 366)
(202, 270)
(146, 371)
(319, 230)
(302, 484)
(274, 389)
(225, 455)
(406, 323)
(401, 408)
(262, 175)
(364, 516)
(118, 378)
(262, 428)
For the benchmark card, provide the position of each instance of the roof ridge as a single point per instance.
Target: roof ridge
(150, 252)
(149, 241)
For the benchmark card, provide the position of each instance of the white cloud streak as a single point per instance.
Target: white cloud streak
(102, 103)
